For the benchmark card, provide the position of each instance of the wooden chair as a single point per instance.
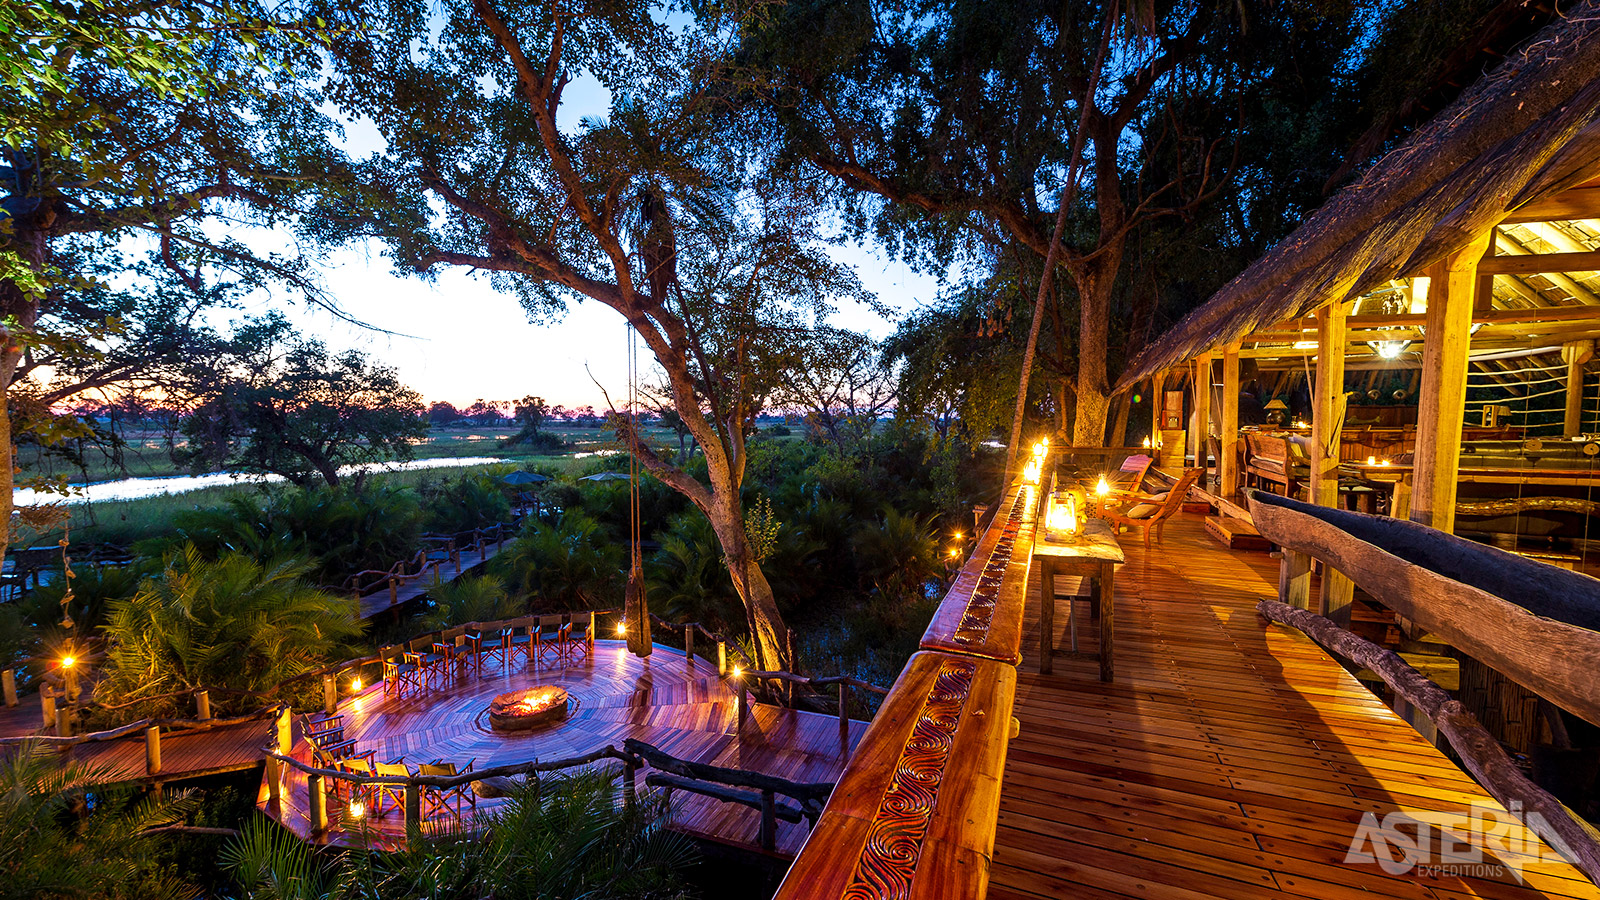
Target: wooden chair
(475, 648)
(399, 674)
(430, 658)
(323, 731)
(392, 794)
(348, 792)
(518, 637)
(1147, 511)
(453, 643)
(577, 638)
(550, 634)
(1130, 477)
(449, 801)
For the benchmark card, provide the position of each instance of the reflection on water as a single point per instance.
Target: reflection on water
(139, 488)
(597, 453)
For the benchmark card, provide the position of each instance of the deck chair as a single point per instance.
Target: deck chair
(1130, 477)
(577, 637)
(348, 792)
(452, 642)
(429, 657)
(398, 676)
(392, 795)
(448, 801)
(322, 731)
(1148, 511)
(550, 634)
(518, 637)
(489, 649)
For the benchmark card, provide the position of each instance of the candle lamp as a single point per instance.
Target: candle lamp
(1064, 516)
(1032, 471)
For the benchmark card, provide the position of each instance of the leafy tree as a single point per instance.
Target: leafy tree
(641, 211)
(949, 127)
(456, 505)
(532, 413)
(49, 849)
(282, 405)
(843, 385)
(233, 622)
(135, 118)
(898, 553)
(443, 413)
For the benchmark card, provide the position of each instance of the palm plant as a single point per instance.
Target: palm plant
(566, 563)
(52, 847)
(475, 500)
(687, 577)
(471, 598)
(232, 622)
(561, 837)
(898, 553)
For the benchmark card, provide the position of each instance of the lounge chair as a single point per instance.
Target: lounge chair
(1148, 511)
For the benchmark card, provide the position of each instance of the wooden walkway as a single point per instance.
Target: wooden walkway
(379, 601)
(229, 748)
(1228, 759)
(684, 710)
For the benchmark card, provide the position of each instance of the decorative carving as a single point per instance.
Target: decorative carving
(894, 839)
(973, 627)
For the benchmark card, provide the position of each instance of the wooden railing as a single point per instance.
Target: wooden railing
(429, 560)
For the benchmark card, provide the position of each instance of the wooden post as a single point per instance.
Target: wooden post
(330, 693)
(722, 658)
(1575, 355)
(744, 703)
(688, 645)
(318, 808)
(1158, 385)
(8, 684)
(202, 705)
(283, 724)
(47, 701)
(1294, 579)
(64, 721)
(413, 811)
(1202, 412)
(630, 784)
(394, 590)
(152, 750)
(1327, 423)
(1228, 425)
(844, 716)
(769, 821)
(1442, 403)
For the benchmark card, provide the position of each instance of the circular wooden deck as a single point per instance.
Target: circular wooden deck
(665, 700)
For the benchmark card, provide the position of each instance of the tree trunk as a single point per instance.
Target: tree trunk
(1095, 282)
(761, 607)
(31, 243)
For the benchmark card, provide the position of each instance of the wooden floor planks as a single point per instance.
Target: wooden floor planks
(1227, 760)
(685, 710)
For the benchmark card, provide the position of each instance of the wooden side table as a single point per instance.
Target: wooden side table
(1095, 556)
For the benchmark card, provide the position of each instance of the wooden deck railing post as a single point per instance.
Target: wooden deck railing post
(152, 750)
(318, 809)
(844, 715)
(744, 703)
(688, 645)
(47, 703)
(722, 658)
(1294, 579)
(330, 693)
(8, 684)
(769, 821)
(202, 705)
(413, 811)
(394, 590)
(64, 721)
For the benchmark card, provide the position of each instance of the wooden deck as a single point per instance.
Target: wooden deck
(685, 710)
(230, 748)
(1227, 759)
(379, 601)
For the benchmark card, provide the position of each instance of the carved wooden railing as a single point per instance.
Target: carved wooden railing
(915, 811)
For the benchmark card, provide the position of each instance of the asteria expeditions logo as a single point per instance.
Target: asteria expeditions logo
(1485, 842)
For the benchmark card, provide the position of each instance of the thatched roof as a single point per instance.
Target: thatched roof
(1527, 130)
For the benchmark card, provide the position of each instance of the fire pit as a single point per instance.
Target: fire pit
(529, 709)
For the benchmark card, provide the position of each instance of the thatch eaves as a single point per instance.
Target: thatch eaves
(1525, 131)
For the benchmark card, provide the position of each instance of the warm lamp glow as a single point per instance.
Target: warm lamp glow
(1061, 518)
(1102, 487)
(622, 629)
(953, 552)
(1040, 449)
(357, 809)
(738, 672)
(1372, 460)
(1147, 443)
(68, 662)
(958, 535)
(355, 685)
(1031, 472)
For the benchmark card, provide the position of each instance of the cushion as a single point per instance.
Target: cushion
(1159, 498)
(1142, 510)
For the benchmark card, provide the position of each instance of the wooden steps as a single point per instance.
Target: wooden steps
(1236, 534)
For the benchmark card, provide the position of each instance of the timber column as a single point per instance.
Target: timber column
(1228, 426)
(1452, 289)
(1327, 422)
(1202, 412)
(1575, 355)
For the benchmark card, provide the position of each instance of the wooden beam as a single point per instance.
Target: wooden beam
(1228, 424)
(1202, 410)
(1442, 405)
(1327, 420)
(1542, 263)
(1575, 355)
(1577, 203)
(1158, 386)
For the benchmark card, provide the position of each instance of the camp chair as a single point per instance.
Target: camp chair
(1148, 511)
(473, 649)
(430, 658)
(577, 637)
(323, 731)
(517, 637)
(550, 632)
(348, 792)
(393, 794)
(450, 801)
(398, 674)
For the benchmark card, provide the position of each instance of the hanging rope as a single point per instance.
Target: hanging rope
(636, 610)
